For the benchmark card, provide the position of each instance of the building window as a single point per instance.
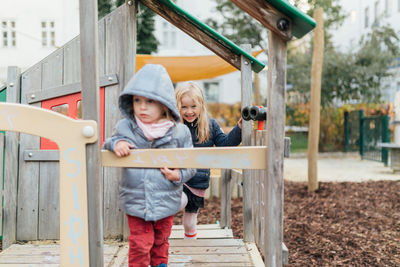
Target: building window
(8, 33)
(353, 16)
(211, 91)
(388, 7)
(376, 12)
(366, 17)
(169, 38)
(173, 39)
(166, 38)
(169, 35)
(48, 34)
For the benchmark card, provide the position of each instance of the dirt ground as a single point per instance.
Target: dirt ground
(342, 224)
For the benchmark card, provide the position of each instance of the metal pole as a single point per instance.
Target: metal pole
(346, 131)
(361, 132)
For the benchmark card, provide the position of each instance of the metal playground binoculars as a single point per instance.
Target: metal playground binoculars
(255, 113)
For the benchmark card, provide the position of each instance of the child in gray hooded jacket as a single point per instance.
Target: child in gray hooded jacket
(150, 197)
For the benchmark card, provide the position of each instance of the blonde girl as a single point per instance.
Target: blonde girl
(205, 132)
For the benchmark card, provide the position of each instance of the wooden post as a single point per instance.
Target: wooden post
(11, 163)
(119, 55)
(91, 111)
(315, 102)
(396, 133)
(1, 171)
(226, 195)
(246, 85)
(257, 93)
(275, 150)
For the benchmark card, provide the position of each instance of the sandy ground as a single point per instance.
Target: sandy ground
(338, 167)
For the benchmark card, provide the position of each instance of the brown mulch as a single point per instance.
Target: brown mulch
(342, 224)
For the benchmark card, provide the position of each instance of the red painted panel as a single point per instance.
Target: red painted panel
(72, 102)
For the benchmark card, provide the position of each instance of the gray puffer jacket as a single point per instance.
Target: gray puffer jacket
(146, 193)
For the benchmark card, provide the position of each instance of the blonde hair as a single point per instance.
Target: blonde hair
(195, 92)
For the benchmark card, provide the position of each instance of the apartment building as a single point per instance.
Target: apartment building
(31, 30)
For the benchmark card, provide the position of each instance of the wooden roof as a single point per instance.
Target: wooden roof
(202, 33)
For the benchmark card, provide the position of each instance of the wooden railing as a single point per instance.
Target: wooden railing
(230, 178)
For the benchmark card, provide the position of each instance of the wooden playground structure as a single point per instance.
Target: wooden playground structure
(80, 209)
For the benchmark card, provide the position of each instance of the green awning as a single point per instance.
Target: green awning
(302, 23)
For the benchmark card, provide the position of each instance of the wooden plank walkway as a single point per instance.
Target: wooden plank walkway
(214, 247)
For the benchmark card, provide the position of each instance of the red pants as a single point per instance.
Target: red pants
(148, 241)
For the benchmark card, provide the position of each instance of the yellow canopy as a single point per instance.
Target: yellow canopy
(190, 68)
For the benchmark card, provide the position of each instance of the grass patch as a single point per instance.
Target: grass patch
(298, 141)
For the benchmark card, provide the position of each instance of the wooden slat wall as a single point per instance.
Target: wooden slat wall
(119, 44)
(28, 187)
(255, 188)
(260, 140)
(113, 216)
(38, 185)
(72, 66)
(2, 177)
(112, 228)
(11, 161)
(49, 219)
(226, 179)
(231, 178)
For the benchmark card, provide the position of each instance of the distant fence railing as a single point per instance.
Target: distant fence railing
(3, 96)
(363, 134)
(352, 122)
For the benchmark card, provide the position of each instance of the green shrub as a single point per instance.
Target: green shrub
(331, 137)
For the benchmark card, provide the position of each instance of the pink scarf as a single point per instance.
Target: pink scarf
(154, 130)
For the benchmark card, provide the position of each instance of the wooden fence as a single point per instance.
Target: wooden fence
(231, 181)
(56, 78)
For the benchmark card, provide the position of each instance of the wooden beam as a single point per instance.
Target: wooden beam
(199, 158)
(247, 126)
(1, 171)
(257, 93)
(53, 155)
(200, 36)
(66, 89)
(91, 110)
(273, 197)
(267, 15)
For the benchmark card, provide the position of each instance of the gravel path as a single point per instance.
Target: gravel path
(338, 167)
